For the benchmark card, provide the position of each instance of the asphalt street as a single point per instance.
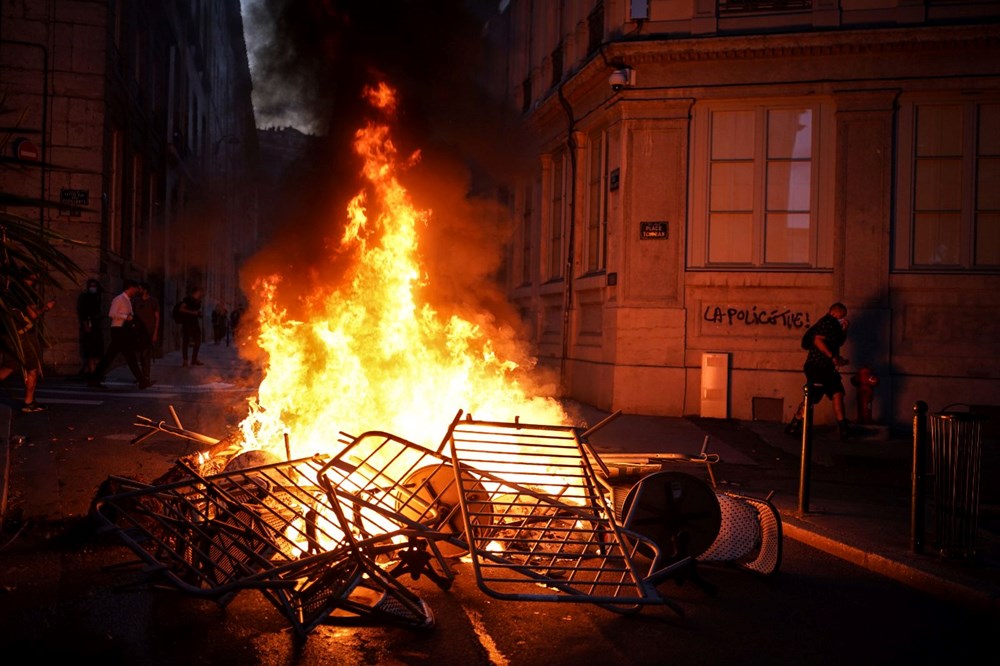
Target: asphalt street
(851, 548)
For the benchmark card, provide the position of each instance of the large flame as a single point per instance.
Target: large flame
(369, 355)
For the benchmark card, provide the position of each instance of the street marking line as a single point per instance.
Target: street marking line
(497, 658)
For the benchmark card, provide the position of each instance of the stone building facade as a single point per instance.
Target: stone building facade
(143, 123)
(713, 174)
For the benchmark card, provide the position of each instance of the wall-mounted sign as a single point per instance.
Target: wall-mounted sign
(613, 180)
(77, 199)
(25, 150)
(653, 230)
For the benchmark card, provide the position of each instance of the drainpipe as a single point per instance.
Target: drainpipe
(571, 240)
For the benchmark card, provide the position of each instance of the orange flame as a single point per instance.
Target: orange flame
(369, 355)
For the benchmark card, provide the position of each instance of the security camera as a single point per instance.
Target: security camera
(622, 78)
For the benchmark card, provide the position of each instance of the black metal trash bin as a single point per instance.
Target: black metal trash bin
(956, 454)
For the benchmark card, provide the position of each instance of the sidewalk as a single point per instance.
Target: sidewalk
(860, 509)
(859, 500)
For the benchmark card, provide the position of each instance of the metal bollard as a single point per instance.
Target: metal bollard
(806, 461)
(917, 478)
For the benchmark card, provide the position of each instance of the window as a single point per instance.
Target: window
(596, 238)
(529, 195)
(638, 10)
(949, 208)
(757, 188)
(135, 221)
(557, 65)
(115, 192)
(557, 216)
(595, 28)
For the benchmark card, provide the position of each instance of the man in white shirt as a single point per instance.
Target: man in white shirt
(122, 338)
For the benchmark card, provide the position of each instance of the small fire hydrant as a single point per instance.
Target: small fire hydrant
(865, 381)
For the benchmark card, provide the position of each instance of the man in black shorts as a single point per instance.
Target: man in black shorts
(823, 340)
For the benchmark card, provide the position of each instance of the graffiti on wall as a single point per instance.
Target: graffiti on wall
(756, 316)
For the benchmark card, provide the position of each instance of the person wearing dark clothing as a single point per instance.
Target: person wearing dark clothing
(234, 321)
(89, 314)
(123, 338)
(147, 312)
(823, 341)
(220, 323)
(191, 315)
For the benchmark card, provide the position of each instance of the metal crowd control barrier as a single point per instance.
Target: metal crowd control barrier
(541, 516)
(538, 525)
(397, 486)
(207, 536)
(272, 528)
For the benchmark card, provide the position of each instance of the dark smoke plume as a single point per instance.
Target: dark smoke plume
(313, 58)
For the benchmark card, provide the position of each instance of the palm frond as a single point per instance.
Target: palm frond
(26, 247)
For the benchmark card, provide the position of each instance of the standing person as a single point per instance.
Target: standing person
(147, 311)
(190, 312)
(89, 315)
(220, 322)
(123, 338)
(234, 321)
(823, 341)
(28, 310)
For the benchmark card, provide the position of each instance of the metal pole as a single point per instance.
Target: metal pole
(806, 462)
(917, 490)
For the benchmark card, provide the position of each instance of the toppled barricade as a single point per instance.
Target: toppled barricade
(540, 515)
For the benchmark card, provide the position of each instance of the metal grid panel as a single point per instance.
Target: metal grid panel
(271, 528)
(394, 485)
(206, 535)
(346, 583)
(538, 525)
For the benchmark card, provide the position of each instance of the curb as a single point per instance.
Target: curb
(932, 584)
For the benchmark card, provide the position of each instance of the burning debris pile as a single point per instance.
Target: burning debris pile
(330, 535)
(538, 513)
(373, 340)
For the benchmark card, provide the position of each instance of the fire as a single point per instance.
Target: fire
(370, 355)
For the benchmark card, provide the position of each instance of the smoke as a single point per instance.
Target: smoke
(311, 60)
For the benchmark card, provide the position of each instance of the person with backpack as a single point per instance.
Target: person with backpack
(823, 341)
(188, 314)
